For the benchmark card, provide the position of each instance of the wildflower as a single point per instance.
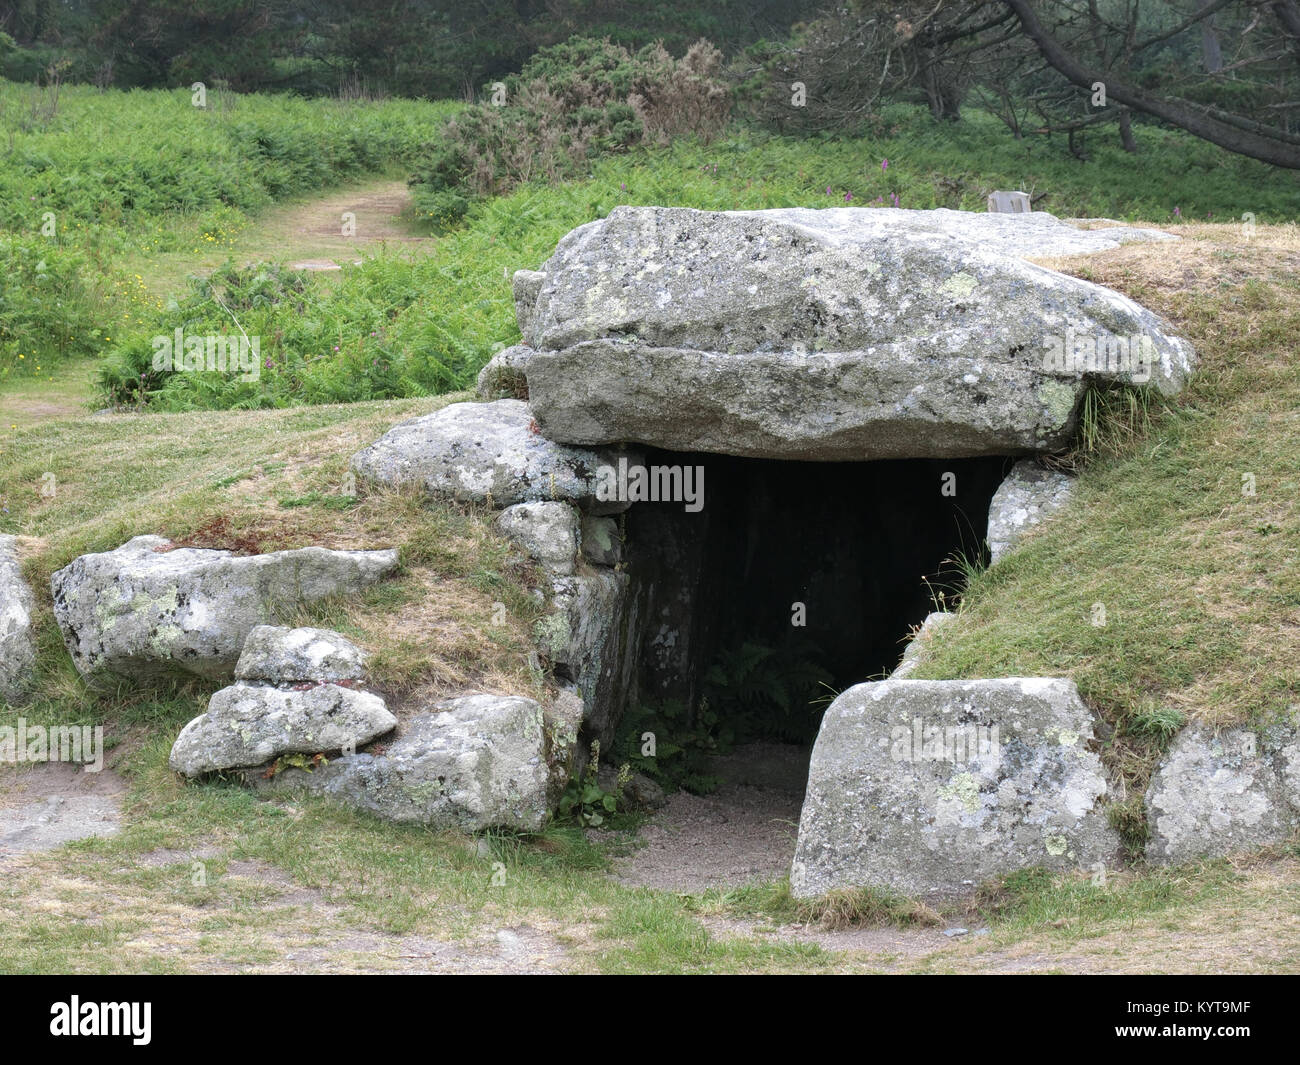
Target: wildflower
(884, 165)
(848, 197)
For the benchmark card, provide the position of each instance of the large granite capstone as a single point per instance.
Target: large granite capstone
(834, 334)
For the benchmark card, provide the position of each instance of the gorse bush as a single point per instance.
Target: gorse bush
(571, 104)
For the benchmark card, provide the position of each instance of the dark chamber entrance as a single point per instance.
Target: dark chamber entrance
(796, 579)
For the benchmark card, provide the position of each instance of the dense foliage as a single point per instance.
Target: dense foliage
(571, 104)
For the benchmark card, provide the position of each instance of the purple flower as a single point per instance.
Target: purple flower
(884, 165)
(848, 197)
(1178, 212)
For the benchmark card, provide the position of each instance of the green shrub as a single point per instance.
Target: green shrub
(571, 104)
(315, 343)
(47, 310)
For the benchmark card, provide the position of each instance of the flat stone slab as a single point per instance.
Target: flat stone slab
(474, 762)
(836, 334)
(930, 787)
(46, 806)
(250, 724)
(149, 607)
(484, 453)
(1215, 795)
(276, 654)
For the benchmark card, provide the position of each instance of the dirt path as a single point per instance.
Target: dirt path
(742, 833)
(54, 803)
(323, 233)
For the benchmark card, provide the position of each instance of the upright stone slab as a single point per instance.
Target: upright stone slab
(589, 639)
(17, 644)
(1215, 795)
(1029, 496)
(1009, 203)
(921, 786)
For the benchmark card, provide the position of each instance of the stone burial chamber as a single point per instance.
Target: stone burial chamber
(775, 428)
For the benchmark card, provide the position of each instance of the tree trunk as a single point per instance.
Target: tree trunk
(1126, 130)
(1257, 145)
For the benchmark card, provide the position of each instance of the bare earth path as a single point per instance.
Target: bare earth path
(307, 234)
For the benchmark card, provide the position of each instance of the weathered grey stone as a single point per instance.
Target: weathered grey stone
(1215, 795)
(249, 724)
(915, 648)
(564, 718)
(837, 334)
(1119, 232)
(588, 638)
(150, 607)
(504, 375)
(527, 286)
(1028, 496)
(547, 531)
(17, 644)
(1009, 202)
(885, 810)
(475, 762)
(276, 654)
(485, 452)
(601, 542)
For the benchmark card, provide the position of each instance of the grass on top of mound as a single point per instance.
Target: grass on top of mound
(1183, 538)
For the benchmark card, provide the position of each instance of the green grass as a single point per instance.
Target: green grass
(1196, 583)
(114, 177)
(414, 321)
(1200, 582)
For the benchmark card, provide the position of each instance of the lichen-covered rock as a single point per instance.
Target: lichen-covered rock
(915, 648)
(276, 654)
(475, 762)
(921, 786)
(1029, 495)
(547, 531)
(588, 639)
(504, 375)
(485, 453)
(836, 334)
(566, 759)
(601, 542)
(1215, 795)
(17, 644)
(527, 287)
(150, 607)
(249, 724)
